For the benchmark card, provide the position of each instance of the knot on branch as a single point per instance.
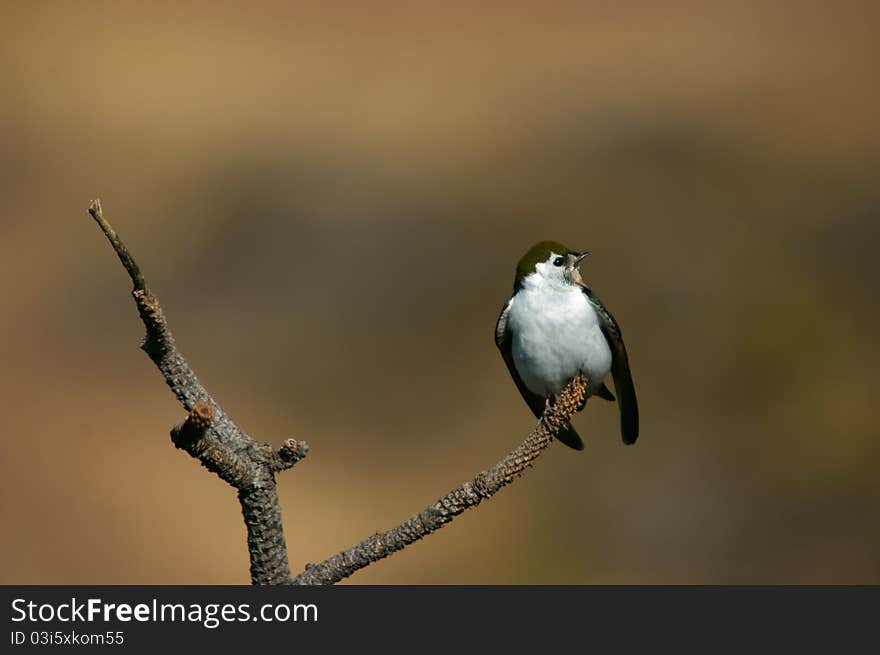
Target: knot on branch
(194, 437)
(147, 303)
(158, 340)
(194, 427)
(290, 452)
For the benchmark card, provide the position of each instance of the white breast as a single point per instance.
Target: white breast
(556, 335)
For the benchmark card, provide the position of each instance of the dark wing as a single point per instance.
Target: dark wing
(623, 382)
(504, 341)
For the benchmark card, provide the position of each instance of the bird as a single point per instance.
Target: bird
(553, 327)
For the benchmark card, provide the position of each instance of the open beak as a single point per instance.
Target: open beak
(579, 258)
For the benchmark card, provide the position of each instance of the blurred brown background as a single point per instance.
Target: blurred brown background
(330, 201)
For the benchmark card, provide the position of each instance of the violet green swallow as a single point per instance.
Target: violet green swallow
(553, 327)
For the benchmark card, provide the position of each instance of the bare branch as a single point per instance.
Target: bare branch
(212, 437)
(127, 261)
(484, 485)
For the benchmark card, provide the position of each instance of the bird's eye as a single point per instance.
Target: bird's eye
(557, 261)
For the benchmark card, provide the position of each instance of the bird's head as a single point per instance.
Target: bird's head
(552, 264)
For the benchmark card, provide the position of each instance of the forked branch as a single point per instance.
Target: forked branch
(249, 466)
(211, 436)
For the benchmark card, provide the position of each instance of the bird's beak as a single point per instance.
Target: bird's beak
(579, 258)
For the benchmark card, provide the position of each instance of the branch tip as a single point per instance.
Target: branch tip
(134, 272)
(290, 452)
(95, 208)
